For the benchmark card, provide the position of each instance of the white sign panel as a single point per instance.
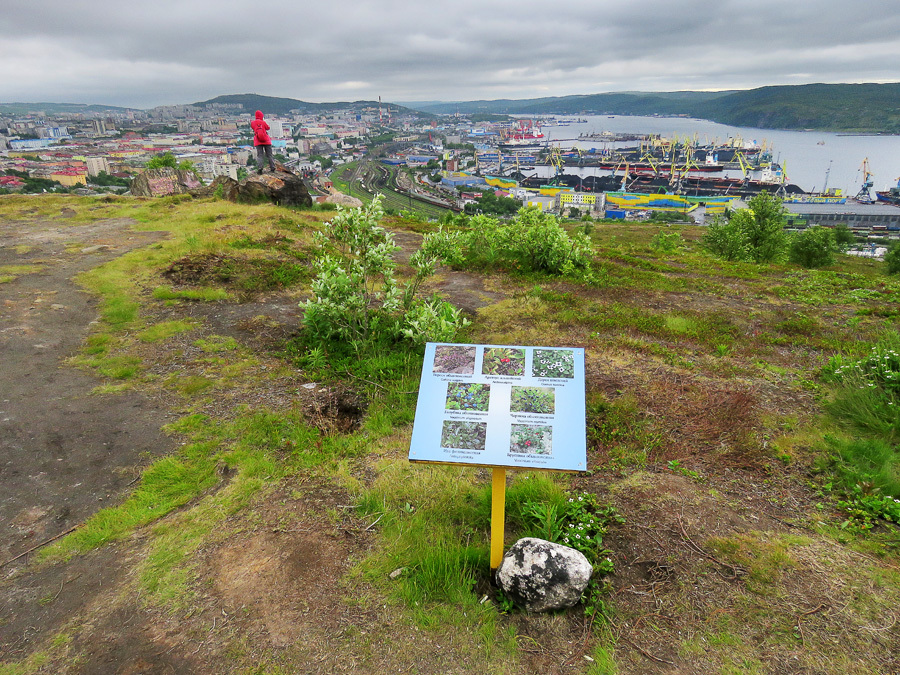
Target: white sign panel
(503, 406)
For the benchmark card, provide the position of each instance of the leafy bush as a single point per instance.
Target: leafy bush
(667, 242)
(881, 368)
(357, 298)
(868, 399)
(866, 461)
(581, 523)
(726, 239)
(432, 320)
(164, 159)
(532, 241)
(813, 247)
(167, 159)
(755, 234)
(892, 258)
(665, 217)
(843, 236)
(864, 504)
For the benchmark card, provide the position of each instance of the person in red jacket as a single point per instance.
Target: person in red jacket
(262, 142)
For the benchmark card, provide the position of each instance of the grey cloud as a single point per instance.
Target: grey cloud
(180, 51)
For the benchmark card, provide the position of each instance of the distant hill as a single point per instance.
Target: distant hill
(282, 106)
(17, 109)
(621, 103)
(832, 107)
(873, 108)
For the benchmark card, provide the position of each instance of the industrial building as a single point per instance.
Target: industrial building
(861, 218)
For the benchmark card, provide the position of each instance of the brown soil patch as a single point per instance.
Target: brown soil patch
(64, 453)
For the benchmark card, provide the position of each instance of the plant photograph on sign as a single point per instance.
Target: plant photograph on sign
(533, 400)
(553, 363)
(454, 359)
(464, 435)
(531, 440)
(503, 361)
(466, 396)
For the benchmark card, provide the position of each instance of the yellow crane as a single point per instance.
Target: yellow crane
(864, 196)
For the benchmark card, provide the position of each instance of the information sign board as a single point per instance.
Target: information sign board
(501, 406)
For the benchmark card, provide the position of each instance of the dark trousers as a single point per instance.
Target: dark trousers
(263, 153)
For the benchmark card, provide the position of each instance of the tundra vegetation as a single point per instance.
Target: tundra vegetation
(741, 506)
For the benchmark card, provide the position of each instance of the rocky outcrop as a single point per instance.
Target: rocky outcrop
(163, 182)
(541, 576)
(281, 187)
(343, 200)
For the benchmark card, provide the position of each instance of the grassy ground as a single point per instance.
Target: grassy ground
(267, 543)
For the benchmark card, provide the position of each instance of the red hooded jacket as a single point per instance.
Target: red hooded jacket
(260, 128)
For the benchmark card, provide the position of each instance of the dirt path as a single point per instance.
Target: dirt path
(64, 452)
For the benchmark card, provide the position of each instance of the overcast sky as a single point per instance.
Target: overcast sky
(161, 52)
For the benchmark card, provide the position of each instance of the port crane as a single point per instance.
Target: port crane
(827, 173)
(864, 196)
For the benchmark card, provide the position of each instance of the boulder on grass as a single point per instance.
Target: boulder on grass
(341, 199)
(282, 187)
(541, 576)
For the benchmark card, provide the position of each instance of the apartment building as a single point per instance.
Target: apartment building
(96, 165)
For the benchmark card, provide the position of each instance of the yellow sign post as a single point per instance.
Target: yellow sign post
(498, 515)
(501, 407)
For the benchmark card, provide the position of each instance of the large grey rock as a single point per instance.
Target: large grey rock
(281, 187)
(163, 182)
(540, 576)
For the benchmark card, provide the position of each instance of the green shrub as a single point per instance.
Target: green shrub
(843, 236)
(755, 234)
(813, 247)
(665, 217)
(667, 242)
(725, 239)
(868, 395)
(867, 461)
(163, 160)
(580, 522)
(532, 241)
(892, 258)
(357, 298)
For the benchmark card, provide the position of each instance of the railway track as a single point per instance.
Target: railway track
(369, 178)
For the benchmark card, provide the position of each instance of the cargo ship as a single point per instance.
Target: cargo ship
(890, 196)
(525, 136)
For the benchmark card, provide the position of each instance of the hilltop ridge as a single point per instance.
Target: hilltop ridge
(852, 108)
(827, 107)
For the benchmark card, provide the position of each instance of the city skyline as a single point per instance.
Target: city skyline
(180, 52)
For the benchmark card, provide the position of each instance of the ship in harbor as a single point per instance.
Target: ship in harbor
(525, 136)
(663, 180)
(890, 196)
